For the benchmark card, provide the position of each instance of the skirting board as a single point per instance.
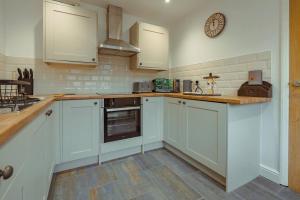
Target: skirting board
(76, 164)
(270, 173)
(218, 178)
(153, 146)
(119, 154)
(129, 151)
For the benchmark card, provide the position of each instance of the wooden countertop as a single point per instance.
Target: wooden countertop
(236, 100)
(12, 123)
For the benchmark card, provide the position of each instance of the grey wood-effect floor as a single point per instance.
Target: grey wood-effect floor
(156, 175)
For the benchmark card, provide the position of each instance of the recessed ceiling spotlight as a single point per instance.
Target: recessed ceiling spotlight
(167, 1)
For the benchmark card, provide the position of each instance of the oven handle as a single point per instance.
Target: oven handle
(122, 109)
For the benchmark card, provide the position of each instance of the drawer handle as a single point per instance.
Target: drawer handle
(49, 113)
(7, 172)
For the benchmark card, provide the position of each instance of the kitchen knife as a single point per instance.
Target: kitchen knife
(20, 74)
(31, 74)
(26, 74)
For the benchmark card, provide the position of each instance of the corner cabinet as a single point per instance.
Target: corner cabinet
(152, 127)
(154, 44)
(70, 34)
(217, 136)
(31, 154)
(205, 128)
(80, 129)
(198, 129)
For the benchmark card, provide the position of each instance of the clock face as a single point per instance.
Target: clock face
(214, 25)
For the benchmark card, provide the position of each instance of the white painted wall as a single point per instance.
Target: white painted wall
(2, 27)
(24, 27)
(252, 26)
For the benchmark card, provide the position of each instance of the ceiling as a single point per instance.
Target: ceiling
(153, 10)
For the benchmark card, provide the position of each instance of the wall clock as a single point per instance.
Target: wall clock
(214, 25)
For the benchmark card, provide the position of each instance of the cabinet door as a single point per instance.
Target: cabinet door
(70, 34)
(154, 44)
(15, 189)
(173, 120)
(50, 143)
(36, 175)
(205, 127)
(80, 129)
(152, 119)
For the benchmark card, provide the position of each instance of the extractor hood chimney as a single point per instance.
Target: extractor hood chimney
(114, 45)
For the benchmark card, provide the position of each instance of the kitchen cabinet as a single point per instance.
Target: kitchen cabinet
(41, 159)
(70, 34)
(80, 129)
(216, 136)
(205, 129)
(32, 161)
(198, 129)
(152, 120)
(173, 130)
(154, 44)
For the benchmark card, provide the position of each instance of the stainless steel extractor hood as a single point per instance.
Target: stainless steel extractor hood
(114, 45)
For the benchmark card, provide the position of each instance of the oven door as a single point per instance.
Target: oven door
(122, 123)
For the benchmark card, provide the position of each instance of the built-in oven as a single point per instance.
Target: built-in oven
(122, 118)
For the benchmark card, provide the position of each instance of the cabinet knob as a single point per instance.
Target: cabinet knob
(7, 172)
(179, 101)
(49, 113)
(147, 99)
(94, 59)
(141, 64)
(184, 103)
(96, 103)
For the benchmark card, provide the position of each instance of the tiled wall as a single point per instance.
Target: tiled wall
(233, 71)
(112, 75)
(2, 66)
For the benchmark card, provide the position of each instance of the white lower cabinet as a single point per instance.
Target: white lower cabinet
(205, 129)
(80, 129)
(31, 154)
(217, 136)
(173, 130)
(198, 129)
(152, 120)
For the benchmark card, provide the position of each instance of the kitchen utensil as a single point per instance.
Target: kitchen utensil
(20, 74)
(187, 85)
(176, 86)
(31, 74)
(163, 85)
(26, 73)
(142, 87)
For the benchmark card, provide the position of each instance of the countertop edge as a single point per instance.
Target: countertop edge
(14, 122)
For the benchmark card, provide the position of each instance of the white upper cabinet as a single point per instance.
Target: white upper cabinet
(154, 44)
(70, 34)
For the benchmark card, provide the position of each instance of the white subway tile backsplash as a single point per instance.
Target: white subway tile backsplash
(233, 72)
(112, 75)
